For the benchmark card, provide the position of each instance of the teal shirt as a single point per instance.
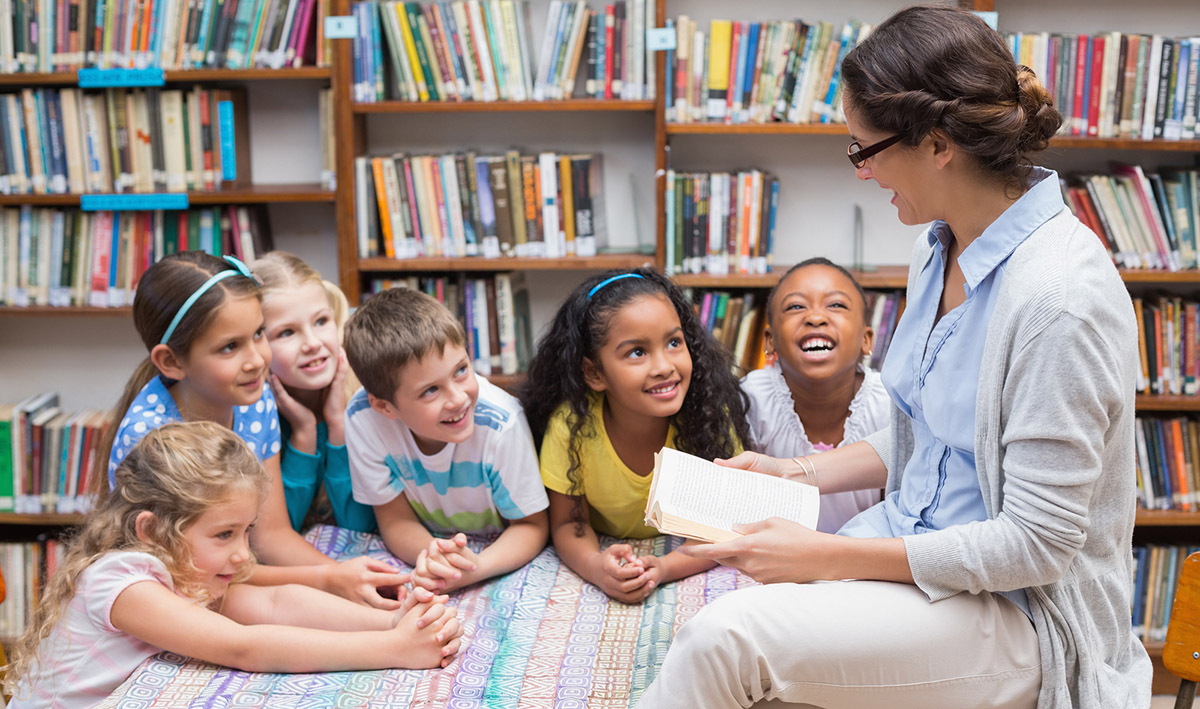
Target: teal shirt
(303, 474)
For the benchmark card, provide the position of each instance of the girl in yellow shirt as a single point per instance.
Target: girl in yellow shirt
(625, 369)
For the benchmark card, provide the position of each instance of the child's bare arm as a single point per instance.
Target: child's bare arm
(403, 534)
(358, 579)
(673, 566)
(615, 570)
(300, 606)
(452, 564)
(156, 615)
(275, 542)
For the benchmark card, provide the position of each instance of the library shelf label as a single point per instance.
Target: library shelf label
(113, 78)
(130, 202)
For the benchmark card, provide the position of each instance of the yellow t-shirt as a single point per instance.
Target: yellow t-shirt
(615, 494)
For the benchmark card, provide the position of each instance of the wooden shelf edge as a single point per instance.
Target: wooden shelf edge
(477, 263)
(70, 78)
(1166, 518)
(40, 310)
(757, 129)
(1167, 402)
(1137, 275)
(579, 105)
(879, 278)
(48, 519)
(251, 194)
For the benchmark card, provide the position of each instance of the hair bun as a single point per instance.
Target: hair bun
(1041, 119)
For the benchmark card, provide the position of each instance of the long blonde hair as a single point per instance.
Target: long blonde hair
(280, 270)
(177, 472)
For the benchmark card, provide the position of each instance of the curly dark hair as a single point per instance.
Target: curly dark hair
(710, 423)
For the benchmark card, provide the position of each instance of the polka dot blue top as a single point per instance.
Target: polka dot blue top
(257, 424)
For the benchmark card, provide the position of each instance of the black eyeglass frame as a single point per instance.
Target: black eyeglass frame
(858, 157)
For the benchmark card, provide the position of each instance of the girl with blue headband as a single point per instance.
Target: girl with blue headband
(625, 369)
(201, 319)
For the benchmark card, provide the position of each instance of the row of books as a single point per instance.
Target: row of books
(1168, 338)
(720, 222)
(758, 72)
(1116, 85)
(1168, 463)
(480, 50)
(1145, 220)
(463, 204)
(64, 35)
(67, 257)
(738, 320)
(26, 567)
(494, 312)
(1156, 576)
(57, 141)
(47, 455)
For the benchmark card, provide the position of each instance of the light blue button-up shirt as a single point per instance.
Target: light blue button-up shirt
(932, 374)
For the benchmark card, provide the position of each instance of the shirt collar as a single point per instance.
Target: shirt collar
(1040, 202)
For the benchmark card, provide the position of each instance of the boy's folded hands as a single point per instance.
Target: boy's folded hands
(446, 565)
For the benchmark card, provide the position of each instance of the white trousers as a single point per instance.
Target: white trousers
(851, 645)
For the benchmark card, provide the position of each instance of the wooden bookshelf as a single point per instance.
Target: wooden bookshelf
(757, 129)
(1167, 518)
(1065, 141)
(40, 310)
(71, 78)
(478, 263)
(1134, 275)
(250, 194)
(1167, 402)
(575, 105)
(46, 519)
(881, 277)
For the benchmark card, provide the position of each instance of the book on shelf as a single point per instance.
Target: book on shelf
(464, 204)
(59, 141)
(494, 312)
(71, 258)
(49, 455)
(758, 72)
(1167, 344)
(482, 50)
(720, 222)
(1117, 85)
(27, 566)
(169, 34)
(698, 499)
(1156, 577)
(1144, 220)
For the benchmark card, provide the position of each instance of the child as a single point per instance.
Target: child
(437, 451)
(200, 318)
(625, 369)
(304, 316)
(157, 567)
(818, 394)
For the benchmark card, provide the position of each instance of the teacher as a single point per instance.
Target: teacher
(996, 572)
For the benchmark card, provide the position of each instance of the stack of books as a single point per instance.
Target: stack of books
(494, 312)
(27, 566)
(720, 222)
(1156, 576)
(481, 50)
(1167, 343)
(48, 455)
(1144, 220)
(60, 141)
(758, 72)
(64, 35)
(1168, 463)
(66, 257)
(464, 204)
(1117, 85)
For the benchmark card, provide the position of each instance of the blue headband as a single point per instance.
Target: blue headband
(606, 281)
(239, 269)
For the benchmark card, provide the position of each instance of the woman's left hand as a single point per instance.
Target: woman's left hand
(772, 551)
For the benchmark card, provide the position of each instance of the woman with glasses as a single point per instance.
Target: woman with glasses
(996, 571)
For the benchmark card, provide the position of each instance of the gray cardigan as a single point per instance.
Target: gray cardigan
(1054, 448)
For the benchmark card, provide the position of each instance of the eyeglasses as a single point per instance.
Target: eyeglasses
(858, 154)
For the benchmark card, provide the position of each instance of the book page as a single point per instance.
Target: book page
(704, 492)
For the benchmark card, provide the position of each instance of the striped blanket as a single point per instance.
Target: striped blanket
(538, 637)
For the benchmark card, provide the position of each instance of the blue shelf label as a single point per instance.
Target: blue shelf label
(660, 39)
(341, 27)
(108, 78)
(228, 154)
(131, 202)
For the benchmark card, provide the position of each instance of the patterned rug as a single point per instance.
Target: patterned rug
(538, 637)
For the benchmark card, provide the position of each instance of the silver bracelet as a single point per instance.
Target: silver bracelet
(808, 468)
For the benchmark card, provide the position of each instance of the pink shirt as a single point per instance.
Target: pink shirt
(85, 658)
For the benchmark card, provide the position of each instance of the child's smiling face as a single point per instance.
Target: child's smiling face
(220, 541)
(643, 366)
(817, 325)
(303, 336)
(436, 399)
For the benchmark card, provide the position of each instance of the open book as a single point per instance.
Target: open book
(695, 498)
